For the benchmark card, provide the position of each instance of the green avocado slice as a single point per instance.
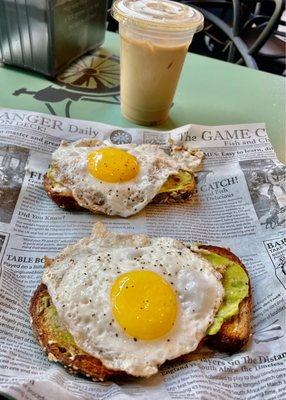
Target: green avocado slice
(55, 328)
(180, 181)
(236, 285)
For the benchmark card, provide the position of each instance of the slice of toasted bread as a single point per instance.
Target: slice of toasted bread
(60, 346)
(63, 197)
(235, 332)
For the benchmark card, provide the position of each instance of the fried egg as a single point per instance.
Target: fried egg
(133, 301)
(117, 180)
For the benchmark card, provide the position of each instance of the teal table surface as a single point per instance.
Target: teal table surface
(210, 92)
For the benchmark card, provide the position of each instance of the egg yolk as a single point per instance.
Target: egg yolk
(112, 165)
(144, 304)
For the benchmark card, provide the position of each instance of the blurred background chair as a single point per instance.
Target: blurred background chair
(264, 37)
(246, 32)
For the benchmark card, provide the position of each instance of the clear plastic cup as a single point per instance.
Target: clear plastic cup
(155, 36)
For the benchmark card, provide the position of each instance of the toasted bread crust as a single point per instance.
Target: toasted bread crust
(177, 196)
(62, 199)
(81, 363)
(233, 335)
(66, 201)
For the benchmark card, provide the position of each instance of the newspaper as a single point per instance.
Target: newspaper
(240, 203)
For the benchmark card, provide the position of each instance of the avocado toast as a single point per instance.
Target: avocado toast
(229, 331)
(101, 178)
(178, 188)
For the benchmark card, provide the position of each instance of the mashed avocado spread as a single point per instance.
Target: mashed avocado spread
(236, 285)
(178, 182)
(54, 327)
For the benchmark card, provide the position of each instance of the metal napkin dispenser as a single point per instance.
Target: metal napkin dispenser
(46, 35)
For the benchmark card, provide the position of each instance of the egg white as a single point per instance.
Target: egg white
(80, 279)
(125, 198)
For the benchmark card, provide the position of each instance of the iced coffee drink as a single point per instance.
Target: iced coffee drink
(155, 36)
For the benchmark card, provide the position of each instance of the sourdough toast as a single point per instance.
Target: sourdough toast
(235, 332)
(179, 192)
(60, 346)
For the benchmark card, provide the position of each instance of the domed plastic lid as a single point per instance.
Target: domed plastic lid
(158, 14)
